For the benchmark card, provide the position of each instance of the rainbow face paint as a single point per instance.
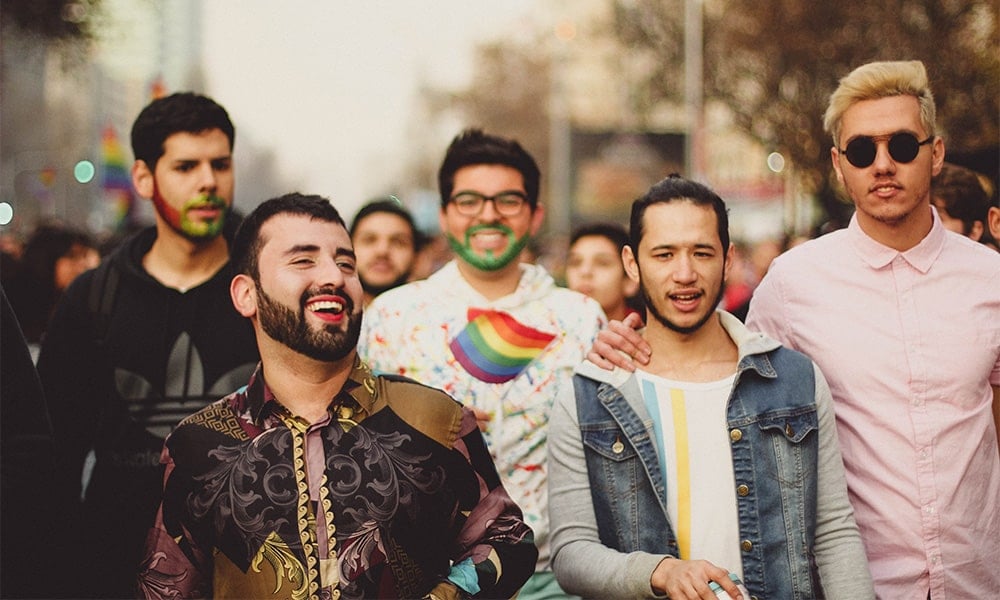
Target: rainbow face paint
(200, 218)
(488, 261)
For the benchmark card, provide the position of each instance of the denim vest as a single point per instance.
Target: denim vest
(773, 429)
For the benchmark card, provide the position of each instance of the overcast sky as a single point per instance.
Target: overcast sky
(330, 85)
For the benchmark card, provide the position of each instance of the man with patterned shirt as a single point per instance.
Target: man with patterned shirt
(495, 333)
(318, 479)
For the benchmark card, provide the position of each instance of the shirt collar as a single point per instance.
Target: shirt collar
(359, 391)
(921, 257)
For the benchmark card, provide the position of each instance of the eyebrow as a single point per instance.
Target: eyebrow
(696, 245)
(312, 248)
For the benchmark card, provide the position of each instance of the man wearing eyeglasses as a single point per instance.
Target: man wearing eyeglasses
(903, 318)
(492, 331)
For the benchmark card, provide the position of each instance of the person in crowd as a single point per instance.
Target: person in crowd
(594, 267)
(318, 479)
(146, 339)
(916, 391)
(53, 257)
(993, 219)
(962, 203)
(496, 333)
(386, 242)
(718, 457)
(32, 518)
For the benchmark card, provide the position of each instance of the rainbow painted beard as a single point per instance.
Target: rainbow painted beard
(494, 347)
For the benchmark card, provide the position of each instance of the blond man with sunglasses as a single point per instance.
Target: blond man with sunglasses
(903, 318)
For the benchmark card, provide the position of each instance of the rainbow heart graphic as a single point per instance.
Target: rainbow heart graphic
(494, 347)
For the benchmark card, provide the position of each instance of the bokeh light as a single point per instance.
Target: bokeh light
(84, 171)
(776, 162)
(6, 213)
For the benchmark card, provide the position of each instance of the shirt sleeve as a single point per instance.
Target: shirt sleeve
(494, 535)
(172, 567)
(583, 565)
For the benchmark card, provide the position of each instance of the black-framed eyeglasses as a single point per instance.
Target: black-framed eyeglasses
(903, 148)
(508, 204)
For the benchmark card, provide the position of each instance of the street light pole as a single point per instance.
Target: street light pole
(693, 90)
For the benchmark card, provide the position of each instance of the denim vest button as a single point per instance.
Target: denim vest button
(743, 490)
(747, 545)
(736, 435)
(617, 447)
(788, 430)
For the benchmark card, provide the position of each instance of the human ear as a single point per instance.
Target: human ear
(143, 179)
(243, 292)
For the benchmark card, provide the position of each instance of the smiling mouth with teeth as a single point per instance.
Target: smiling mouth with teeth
(327, 306)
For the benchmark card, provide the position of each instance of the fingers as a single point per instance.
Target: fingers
(632, 321)
(689, 579)
(619, 345)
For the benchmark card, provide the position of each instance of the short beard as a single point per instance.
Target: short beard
(375, 290)
(490, 262)
(655, 312)
(285, 326)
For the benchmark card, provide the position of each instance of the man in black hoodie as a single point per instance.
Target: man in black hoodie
(144, 340)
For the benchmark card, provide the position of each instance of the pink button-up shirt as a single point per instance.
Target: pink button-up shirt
(910, 344)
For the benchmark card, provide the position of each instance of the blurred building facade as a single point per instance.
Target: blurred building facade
(67, 111)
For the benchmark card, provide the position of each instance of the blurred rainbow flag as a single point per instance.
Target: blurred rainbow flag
(494, 347)
(116, 180)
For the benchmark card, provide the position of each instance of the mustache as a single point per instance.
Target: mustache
(206, 201)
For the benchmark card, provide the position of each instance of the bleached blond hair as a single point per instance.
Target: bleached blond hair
(881, 80)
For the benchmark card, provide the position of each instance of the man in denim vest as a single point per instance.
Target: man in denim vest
(718, 460)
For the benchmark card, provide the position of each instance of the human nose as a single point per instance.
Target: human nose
(684, 270)
(382, 247)
(207, 178)
(331, 274)
(489, 210)
(883, 160)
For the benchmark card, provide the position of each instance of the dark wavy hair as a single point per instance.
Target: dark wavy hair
(474, 147)
(244, 252)
(181, 112)
(675, 188)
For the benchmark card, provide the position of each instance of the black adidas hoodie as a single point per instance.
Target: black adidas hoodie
(119, 374)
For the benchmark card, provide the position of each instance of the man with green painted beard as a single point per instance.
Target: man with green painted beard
(495, 333)
(144, 340)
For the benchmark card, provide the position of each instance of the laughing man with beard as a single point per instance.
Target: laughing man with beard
(318, 479)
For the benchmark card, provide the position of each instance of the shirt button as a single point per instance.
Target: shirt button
(736, 435)
(743, 490)
(747, 545)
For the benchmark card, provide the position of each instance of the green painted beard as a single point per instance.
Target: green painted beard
(489, 261)
(203, 229)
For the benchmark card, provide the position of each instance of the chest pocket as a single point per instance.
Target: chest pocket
(794, 427)
(608, 442)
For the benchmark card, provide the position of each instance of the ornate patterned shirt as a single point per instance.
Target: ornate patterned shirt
(390, 496)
